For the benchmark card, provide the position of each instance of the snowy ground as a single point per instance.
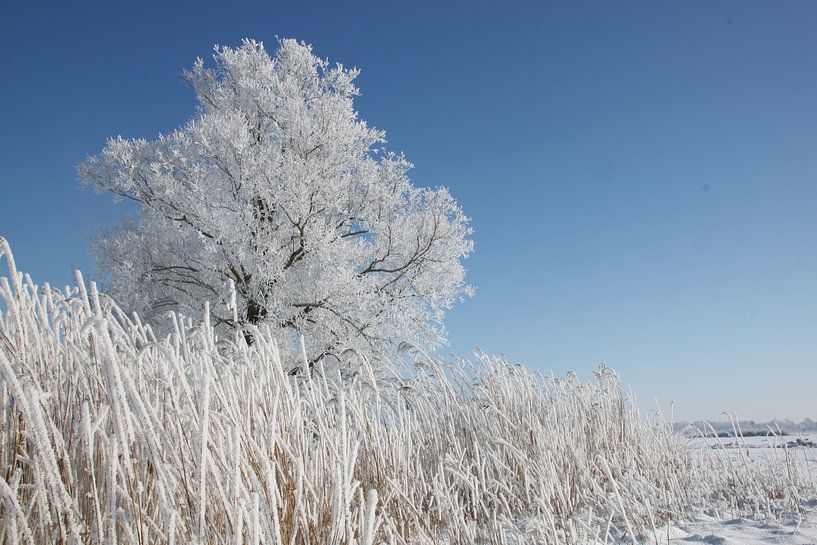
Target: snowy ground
(713, 530)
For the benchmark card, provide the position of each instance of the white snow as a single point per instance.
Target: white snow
(711, 531)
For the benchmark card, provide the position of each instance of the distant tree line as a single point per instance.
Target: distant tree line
(751, 428)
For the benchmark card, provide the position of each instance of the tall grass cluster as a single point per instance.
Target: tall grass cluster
(109, 434)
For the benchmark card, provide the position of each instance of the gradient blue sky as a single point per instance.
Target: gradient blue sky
(642, 176)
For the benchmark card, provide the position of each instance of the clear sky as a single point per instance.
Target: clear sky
(642, 176)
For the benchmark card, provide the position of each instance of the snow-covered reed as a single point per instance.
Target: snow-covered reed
(109, 434)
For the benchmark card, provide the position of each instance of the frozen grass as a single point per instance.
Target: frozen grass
(110, 435)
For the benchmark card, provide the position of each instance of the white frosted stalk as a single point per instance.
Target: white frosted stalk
(83, 293)
(88, 432)
(97, 307)
(370, 519)
(272, 491)
(5, 251)
(113, 463)
(256, 519)
(14, 512)
(204, 416)
(116, 391)
(305, 359)
(171, 528)
(207, 328)
(238, 531)
(232, 303)
(236, 465)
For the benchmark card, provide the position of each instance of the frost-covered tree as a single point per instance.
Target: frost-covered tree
(277, 188)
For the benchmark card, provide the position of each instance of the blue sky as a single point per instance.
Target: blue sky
(642, 176)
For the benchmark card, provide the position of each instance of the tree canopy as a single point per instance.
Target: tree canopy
(275, 187)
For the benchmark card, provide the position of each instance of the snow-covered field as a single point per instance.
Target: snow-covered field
(757, 444)
(710, 530)
(109, 434)
(776, 455)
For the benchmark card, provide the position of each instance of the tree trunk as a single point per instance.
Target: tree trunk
(255, 314)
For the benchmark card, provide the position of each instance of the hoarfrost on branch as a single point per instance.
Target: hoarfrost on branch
(278, 188)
